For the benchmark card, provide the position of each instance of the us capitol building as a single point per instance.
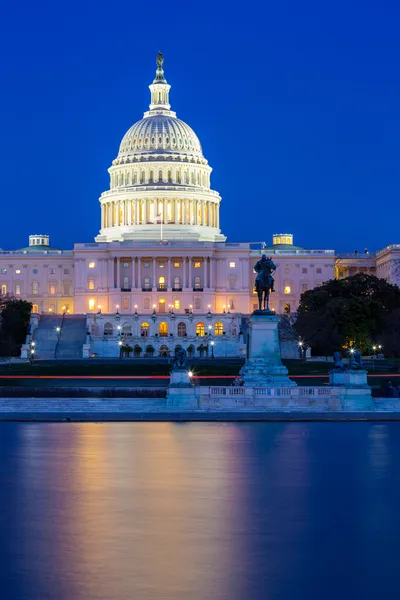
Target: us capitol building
(160, 272)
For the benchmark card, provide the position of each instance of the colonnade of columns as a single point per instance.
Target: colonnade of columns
(185, 211)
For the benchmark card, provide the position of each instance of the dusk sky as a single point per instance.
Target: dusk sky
(296, 104)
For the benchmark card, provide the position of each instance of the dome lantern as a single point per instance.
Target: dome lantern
(159, 89)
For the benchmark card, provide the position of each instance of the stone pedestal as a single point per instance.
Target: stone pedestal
(263, 365)
(181, 393)
(356, 393)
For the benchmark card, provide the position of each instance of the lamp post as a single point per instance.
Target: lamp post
(212, 344)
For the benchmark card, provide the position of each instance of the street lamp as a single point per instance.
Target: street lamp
(58, 329)
(212, 348)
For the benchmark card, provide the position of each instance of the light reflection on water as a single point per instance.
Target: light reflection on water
(216, 511)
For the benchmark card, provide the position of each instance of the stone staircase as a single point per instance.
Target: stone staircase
(45, 336)
(65, 407)
(64, 345)
(72, 337)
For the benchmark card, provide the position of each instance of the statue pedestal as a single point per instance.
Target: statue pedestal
(263, 366)
(356, 391)
(180, 392)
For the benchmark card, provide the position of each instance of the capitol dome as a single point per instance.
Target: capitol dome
(160, 180)
(160, 134)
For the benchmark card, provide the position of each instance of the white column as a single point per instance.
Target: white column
(169, 283)
(190, 282)
(165, 211)
(176, 210)
(217, 215)
(154, 274)
(139, 281)
(133, 282)
(184, 272)
(118, 273)
(111, 280)
(202, 213)
(205, 282)
(211, 272)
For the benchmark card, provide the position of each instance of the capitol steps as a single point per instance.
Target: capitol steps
(72, 337)
(45, 336)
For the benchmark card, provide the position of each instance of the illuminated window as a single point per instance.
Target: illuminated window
(91, 304)
(35, 308)
(287, 289)
(218, 329)
(177, 265)
(161, 305)
(181, 329)
(163, 329)
(144, 329)
(286, 308)
(177, 304)
(161, 283)
(91, 284)
(125, 303)
(200, 329)
(92, 265)
(161, 265)
(232, 265)
(52, 290)
(4, 289)
(17, 290)
(197, 265)
(18, 271)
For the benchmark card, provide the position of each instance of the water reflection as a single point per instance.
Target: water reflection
(199, 511)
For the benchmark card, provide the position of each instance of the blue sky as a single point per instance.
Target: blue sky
(296, 105)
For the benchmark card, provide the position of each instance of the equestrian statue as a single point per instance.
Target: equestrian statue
(264, 268)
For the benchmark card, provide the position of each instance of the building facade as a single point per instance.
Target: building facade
(160, 256)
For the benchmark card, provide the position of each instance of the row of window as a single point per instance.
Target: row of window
(66, 289)
(128, 178)
(126, 329)
(3, 271)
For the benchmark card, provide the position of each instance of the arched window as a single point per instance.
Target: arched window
(177, 348)
(35, 308)
(144, 329)
(126, 329)
(160, 175)
(181, 329)
(146, 283)
(151, 178)
(161, 282)
(90, 284)
(164, 350)
(190, 351)
(169, 176)
(177, 283)
(108, 329)
(142, 177)
(197, 283)
(35, 287)
(286, 308)
(137, 351)
(200, 329)
(126, 285)
(232, 283)
(218, 329)
(178, 177)
(163, 329)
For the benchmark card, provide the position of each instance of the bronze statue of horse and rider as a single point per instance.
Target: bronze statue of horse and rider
(264, 268)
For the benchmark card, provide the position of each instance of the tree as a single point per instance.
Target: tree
(346, 312)
(14, 322)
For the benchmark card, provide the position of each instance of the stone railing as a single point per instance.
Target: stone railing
(276, 398)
